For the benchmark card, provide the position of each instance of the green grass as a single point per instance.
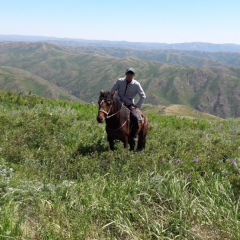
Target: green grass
(58, 179)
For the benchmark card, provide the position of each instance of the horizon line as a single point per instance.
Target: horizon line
(70, 38)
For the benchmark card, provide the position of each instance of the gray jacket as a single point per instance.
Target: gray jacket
(127, 92)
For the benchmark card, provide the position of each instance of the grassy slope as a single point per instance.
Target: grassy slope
(18, 80)
(58, 180)
(178, 110)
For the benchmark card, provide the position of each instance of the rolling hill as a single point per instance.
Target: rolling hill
(177, 110)
(18, 80)
(213, 89)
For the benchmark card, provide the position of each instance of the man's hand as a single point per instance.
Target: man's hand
(123, 102)
(112, 93)
(132, 107)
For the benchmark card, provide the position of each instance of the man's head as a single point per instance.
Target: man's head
(130, 73)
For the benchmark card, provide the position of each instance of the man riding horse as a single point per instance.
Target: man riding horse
(127, 89)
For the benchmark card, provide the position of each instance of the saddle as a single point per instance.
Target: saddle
(140, 115)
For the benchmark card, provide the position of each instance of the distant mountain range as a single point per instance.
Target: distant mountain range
(169, 56)
(207, 82)
(191, 46)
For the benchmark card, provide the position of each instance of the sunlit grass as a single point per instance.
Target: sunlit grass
(58, 179)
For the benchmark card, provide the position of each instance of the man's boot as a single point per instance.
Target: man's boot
(135, 137)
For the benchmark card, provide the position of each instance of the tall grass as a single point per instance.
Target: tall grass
(58, 179)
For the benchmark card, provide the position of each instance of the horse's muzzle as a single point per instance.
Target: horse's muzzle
(100, 120)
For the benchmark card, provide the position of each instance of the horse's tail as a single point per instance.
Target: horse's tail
(145, 125)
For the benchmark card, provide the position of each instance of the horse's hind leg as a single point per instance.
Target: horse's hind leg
(141, 141)
(141, 144)
(142, 136)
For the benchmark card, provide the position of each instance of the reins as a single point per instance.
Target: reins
(107, 117)
(114, 130)
(100, 110)
(114, 113)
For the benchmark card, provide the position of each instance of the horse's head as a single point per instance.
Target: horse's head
(105, 103)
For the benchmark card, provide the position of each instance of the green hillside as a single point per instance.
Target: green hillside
(177, 110)
(17, 80)
(211, 89)
(58, 179)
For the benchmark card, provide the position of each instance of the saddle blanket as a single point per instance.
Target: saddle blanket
(139, 115)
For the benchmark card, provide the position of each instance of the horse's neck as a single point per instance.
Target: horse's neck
(115, 113)
(116, 106)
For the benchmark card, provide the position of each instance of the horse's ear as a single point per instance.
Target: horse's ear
(101, 91)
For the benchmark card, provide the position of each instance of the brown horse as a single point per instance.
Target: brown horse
(118, 125)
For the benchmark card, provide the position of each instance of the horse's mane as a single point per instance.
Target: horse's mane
(105, 95)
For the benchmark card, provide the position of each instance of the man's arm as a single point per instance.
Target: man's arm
(142, 96)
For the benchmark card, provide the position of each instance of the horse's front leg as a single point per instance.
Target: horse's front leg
(132, 144)
(125, 142)
(111, 143)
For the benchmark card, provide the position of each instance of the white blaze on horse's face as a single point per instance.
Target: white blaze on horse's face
(104, 109)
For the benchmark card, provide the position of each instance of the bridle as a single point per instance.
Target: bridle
(109, 116)
(101, 110)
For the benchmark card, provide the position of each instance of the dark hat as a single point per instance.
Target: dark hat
(130, 70)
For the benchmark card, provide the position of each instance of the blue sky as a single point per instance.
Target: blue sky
(164, 21)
